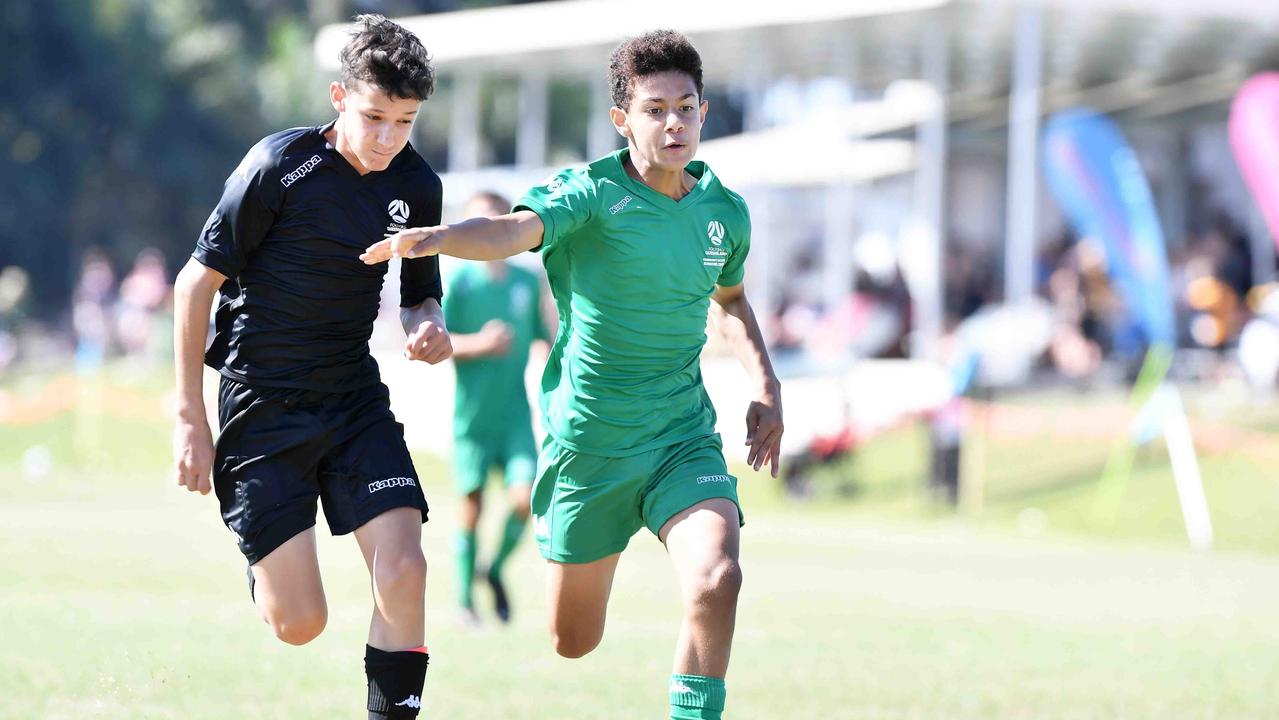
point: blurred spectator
(1259, 339)
(90, 311)
(143, 292)
(14, 284)
(1217, 276)
(1080, 295)
(948, 423)
(969, 275)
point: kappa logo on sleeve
(301, 171)
(391, 483)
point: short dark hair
(384, 54)
(651, 53)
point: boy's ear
(337, 96)
(618, 116)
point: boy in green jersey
(636, 246)
(494, 311)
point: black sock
(395, 682)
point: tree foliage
(122, 118)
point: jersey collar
(347, 167)
(696, 168)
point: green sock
(464, 552)
(696, 697)
(510, 538)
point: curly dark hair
(384, 54)
(653, 52)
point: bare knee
(521, 509)
(574, 643)
(717, 588)
(401, 576)
(298, 627)
(575, 638)
(469, 510)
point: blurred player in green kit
(494, 313)
(638, 246)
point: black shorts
(281, 449)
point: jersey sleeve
(735, 267)
(251, 200)
(420, 277)
(565, 203)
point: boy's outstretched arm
(736, 323)
(475, 239)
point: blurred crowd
(871, 321)
(1215, 297)
(1227, 320)
(110, 316)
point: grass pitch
(122, 596)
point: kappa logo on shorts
(412, 701)
(703, 479)
(391, 483)
(301, 172)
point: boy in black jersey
(302, 410)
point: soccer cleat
(501, 605)
(468, 619)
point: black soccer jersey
(298, 308)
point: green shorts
(515, 456)
(586, 507)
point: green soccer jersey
(490, 390)
(632, 272)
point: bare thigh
(577, 595)
(288, 590)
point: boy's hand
(410, 243)
(764, 431)
(497, 337)
(193, 451)
(430, 342)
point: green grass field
(121, 596)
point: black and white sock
(395, 682)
